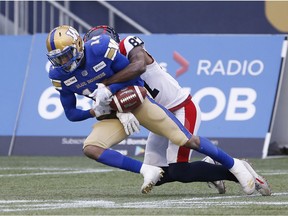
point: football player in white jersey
(166, 91)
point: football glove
(129, 122)
(102, 94)
(101, 110)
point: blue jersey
(101, 60)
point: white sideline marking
(196, 202)
(60, 172)
(39, 168)
(274, 172)
(69, 171)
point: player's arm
(106, 48)
(119, 64)
(136, 67)
(68, 101)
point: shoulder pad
(102, 46)
(129, 43)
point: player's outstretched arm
(136, 67)
(72, 113)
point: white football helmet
(101, 29)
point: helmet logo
(73, 33)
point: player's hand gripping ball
(129, 98)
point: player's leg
(155, 150)
(180, 169)
(190, 116)
(199, 171)
(162, 122)
(155, 154)
(235, 166)
(110, 132)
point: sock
(206, 147)
(115, 159)
(199, 171)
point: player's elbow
(71, 116)
(140, 67)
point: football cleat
(244, 177)
(219, 185)
(151, 176)
(261, 184)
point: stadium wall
(235, 84)
(196, 17)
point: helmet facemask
(68, 59)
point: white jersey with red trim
(161, 85)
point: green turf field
(80, 186)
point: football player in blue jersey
(167, 92)
(80, 68)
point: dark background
(220, 17)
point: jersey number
(153, 92)
(135, 41)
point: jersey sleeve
(128, 43)
(103, 46)
(68, 101)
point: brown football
(129, 98)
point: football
(129, 98)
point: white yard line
(197, 202)
(194, 202)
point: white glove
(102, 94)
(101, 109)
(130, 122)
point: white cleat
(152, 175)
(244, 177)
(219, 185)
(261, 184)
